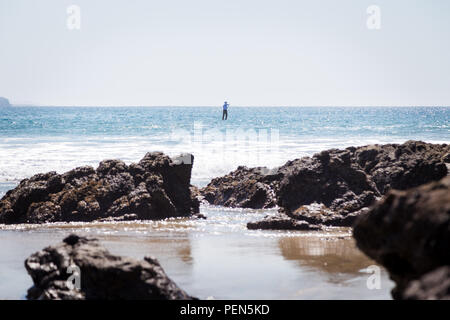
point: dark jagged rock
(409, 233)
(156, 187)
(281, 222)
(434, 285)
(344, 183)
(403, 166)
(243, 188)
(102, 275)
(328, 178)
(348, 181)
(320, 215)
(308, 217)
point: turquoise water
(35, 139)
(424, 123)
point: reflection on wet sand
(179, 248)
(338, 257)
(215, 257)
(167, 240)
(172, 251)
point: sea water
(217, 257)
(39, 139)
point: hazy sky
(201, 52)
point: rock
(408, 232)
(344, 183)
(404, 166)
(4, 102)
(199, 216)
(434, 285)
(281, 222)
(350, 180)
(125, 217)
(243, 188)
(157, 187)
(318, 214)
(308, 217)
(446, 158)
(329, 178)
(102, 275)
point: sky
(248, 52)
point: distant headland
(4, 102)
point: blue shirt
(225, 106)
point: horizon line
(234, 106)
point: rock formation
(434, 285)
(342, 183)
(408, 232)
(156, 187)
(243, 188)
(101, 275)
(281, 222)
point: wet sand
(214, 258)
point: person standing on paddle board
(225, 111)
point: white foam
(23, 157)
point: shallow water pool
(214, 258)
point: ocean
(39, 139)
(217, 257)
